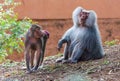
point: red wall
(62, 9)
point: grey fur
(83, 43)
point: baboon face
(83, 16)
(36, 31)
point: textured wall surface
(62, 9)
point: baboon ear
(46, 33)
(31, 28)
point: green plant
(106, 62)
(111, 43)
(9, 63)
(12, 30)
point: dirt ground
(105, 69)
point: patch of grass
(92, 70)
(9, 63)
(53, 57)
(76, 77)
(53, 67)
(106, 62)
(111, 43)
